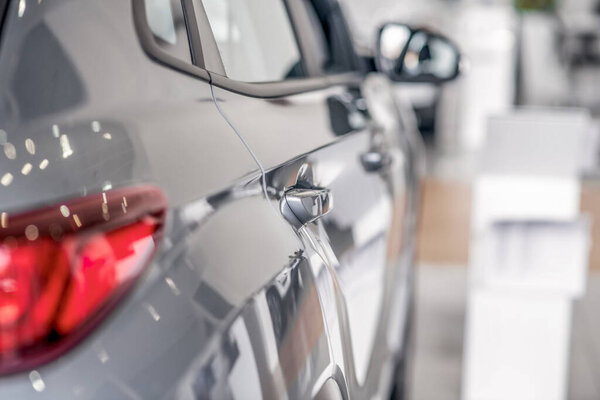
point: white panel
(539, 257)
(524, 197)
(516, 347)
(546, 142)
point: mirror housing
(406, 54)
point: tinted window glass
(255, 39)
(167, 23)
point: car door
(104, 96)
(286, 79)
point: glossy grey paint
(366, 238)
(237, 303)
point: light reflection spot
(32, 232)
(77, 220)
(6, 179)
(103, 356)
(153, 313)
(8, 285)
(30, 146)
(3, 136)
(36, 381)
(44, 164)
(105, 213)
(26, 169)
(96, 126)
(9, 151)
(107, 136)
(55, 131)
(173, 286)
(107, 186)
(64, 210)
(66, 146)
(22, 7)
(4, 220)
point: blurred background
(541, 56)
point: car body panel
(164, 129)
(361, 238)
(236, 303)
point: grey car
(205, 199)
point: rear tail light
(64, 267)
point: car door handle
(373, 161)
(301, 206)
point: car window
(166, 21)
(255, 39)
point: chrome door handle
(373, 161)
(301, 206)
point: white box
(516, 347)
(537, 142)
(523, 197)
(534, 256)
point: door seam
(246, 145)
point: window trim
(158, 54)
(265, 90)
(193, 33)
(211, 56)
(287, 87)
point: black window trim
(3, 12)
(266, 90)
(160, 55)
(193, 33)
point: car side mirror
(405, 54)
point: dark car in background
(205, 199)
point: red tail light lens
(64, 267)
